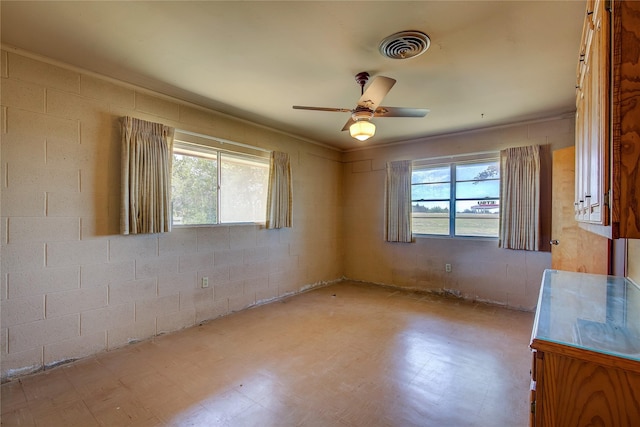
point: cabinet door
(582, 126)
(579, 160)
(574, 392)
(598, 132)
(583, 123)
(592, 118)
(538, 409)
(532, 396)
(585, 144)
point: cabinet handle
(581, 201)
(587, 196)
(554, 242)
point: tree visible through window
(456, 199)
(210, 186)
(194, 187)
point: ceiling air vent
(404, 45)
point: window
(214, 185)
(459, 198)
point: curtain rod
(479, 154)
(222, 140)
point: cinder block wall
(480, 270)
(71, 285)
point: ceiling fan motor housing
(362, 113)
(360, 125)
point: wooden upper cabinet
(626, 120)
(608, 120)
(592, 96)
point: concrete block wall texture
(71, 285)
(480, 270)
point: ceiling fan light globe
(362, 130)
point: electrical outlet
(447, 268)
(205, 282)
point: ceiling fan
(359, 125)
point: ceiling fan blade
(348, 124)
(400, 112)
(377, 90)
(339, 110)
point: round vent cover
(405, 45)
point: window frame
(208, 146)
(451, 162)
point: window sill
(437, 236)
(225, 224)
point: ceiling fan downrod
(362, 79)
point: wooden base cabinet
(573, 391)
(586, 352)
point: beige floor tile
(20, 417)
(125, 410)
(74, 414)
(13, 397)
(349, 354)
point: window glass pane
(430, 191)
(477, 171)
(477, 218)
(477, 189)
(193, 186)
(243, 189)
(476, 192)
(430, 218)
(431, 174)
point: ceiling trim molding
(559, 116)
(141, 89)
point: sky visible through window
(470, 190)
(439, 179)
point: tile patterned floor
(349, 354)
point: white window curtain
(520, 198)
(398, 202)
(146, 177)
(280, 195)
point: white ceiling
(490, 62)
